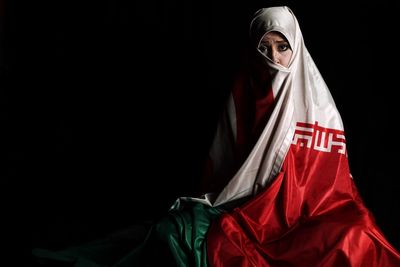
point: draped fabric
(180, 237)
(304, 207)
(296, 94)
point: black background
(109, 106)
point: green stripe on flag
(179, 239)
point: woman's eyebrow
(278, 42)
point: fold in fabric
(178, 239)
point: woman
(303, 208)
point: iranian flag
(278, 188)
(288, 197)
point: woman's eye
(283, 47)
(263, 48)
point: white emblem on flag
(319, 138)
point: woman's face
(275, 46)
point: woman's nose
(275, 56)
